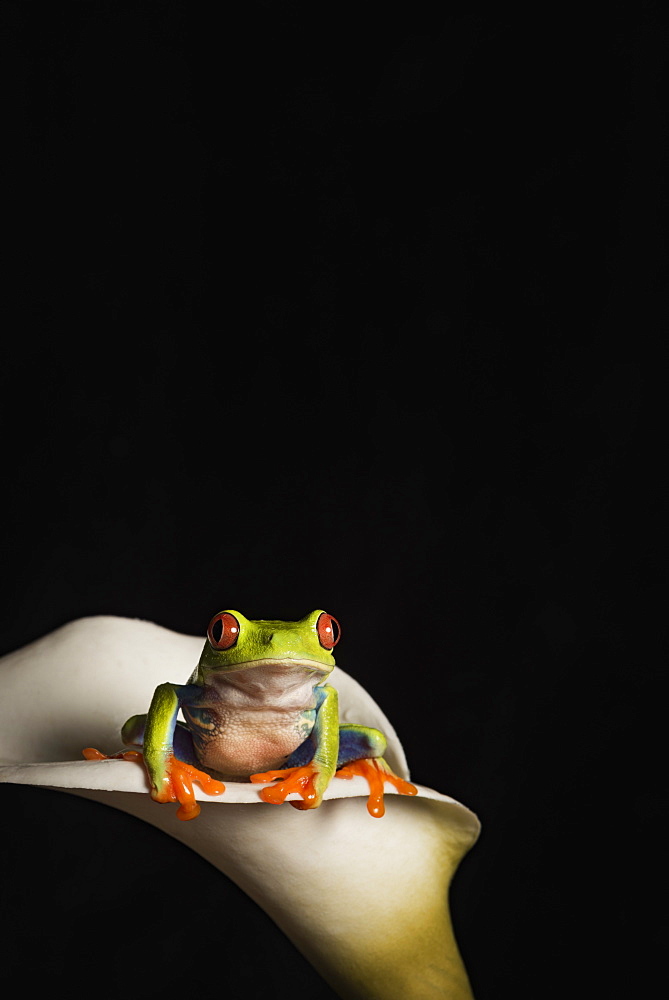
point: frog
(257, 707)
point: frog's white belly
(245, 743)
(252, 720)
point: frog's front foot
(309, 781)
(377, 772)
(175, 783)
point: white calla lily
(364, 899)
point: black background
(351, 308)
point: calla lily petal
(364, 899)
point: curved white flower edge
(364, 899)
(127, 776)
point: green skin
(261, 705)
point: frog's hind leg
(132, 735)
(358, 743)
(361, 752)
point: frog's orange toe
(188, 810)
(293, 779)
(376, 772)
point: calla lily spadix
(364, 899)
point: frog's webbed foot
(377, 772)
(176, 785)
(309, 781)
(176, 782)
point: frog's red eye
(329, 632)
(223, 630)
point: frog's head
(235, 643)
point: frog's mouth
(280, 668)
(281, 664)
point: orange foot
(177, 782)
(304, 780)
(377, 772)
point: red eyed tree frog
(257, 707)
